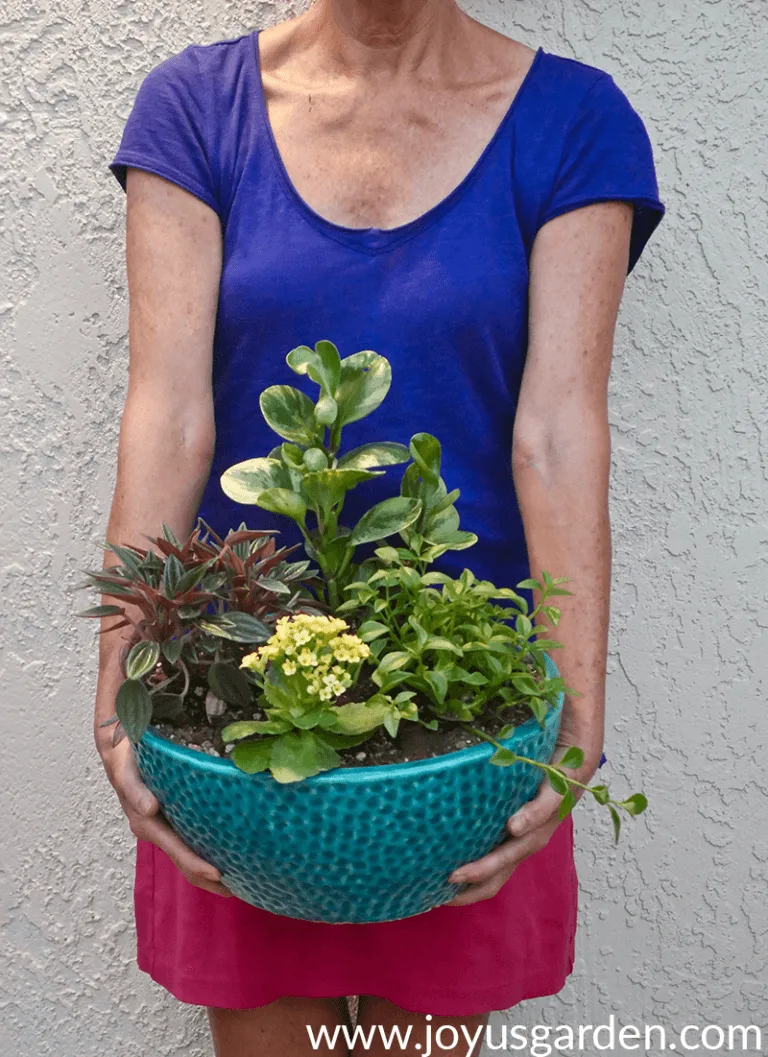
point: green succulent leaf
(330, 362)
(324, 488)
(246, 728)
(166, 707)
(369, 456)
(291, 455)
(170, 536)
(130, 558)
(426, 454)
(172, 574)
(252, 756)
(524, 684)
(341, 741)
(277, 691)
(392, 661)
(290, 413)
(385, 519)
(266, 583)
(447, 501)
(326, 410)
(283, 501)
(245, 481)
(134, 708)
(441, 528)
(315, 459)
(437, 642)
(360, 717)
(191, 577)
(322, 364)
(301, 755)
(364, 381)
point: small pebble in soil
(361, 755)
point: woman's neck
(360, 34)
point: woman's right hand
(142, 809)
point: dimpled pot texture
(356, 844)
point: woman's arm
(166, 437)
(561, 465)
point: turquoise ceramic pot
(354, 844)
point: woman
(388, 174)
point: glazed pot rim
(357, 775)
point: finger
(487, 875)
(502, 858)
(196, 870)
(507, 856)
(477, 893)
(537, 812)
(134, 795)
(143, 810)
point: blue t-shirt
(443, 297)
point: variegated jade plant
(307, 478)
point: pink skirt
(452, 961)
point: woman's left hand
(530, 829)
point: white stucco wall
(674, 924)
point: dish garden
(355, 665)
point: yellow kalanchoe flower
(319, 650)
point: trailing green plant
(307, 479)
(202, 605)
(468, 659)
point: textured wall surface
(674, 924)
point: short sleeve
(167, 131)
(607, 154)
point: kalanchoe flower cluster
(317, 650)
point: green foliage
(449, 650)
(450, 641)
(134, 708)
(202, 604)
(308, 478)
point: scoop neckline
(373, 238)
